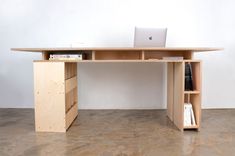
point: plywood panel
(71, 99)
(93, 55)
(49, 93)
(196, 98)
(170, 90)
(173, 49)
(178, 95)
(142, 55)
(196, 103)
(196, 69)
(71, 92)
(71, 115)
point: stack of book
(66, 57)
(189, 119)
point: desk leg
(170, 90)
(175, 93)
(55, 92)
(178, 110)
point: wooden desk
(55, 82)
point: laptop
(150, 37)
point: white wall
(31, 23)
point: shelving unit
(194, 96)
(55, 82)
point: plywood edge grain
(160, 49)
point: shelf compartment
(87, 54)
(160, 54)
(196, 75)
(195, 100)
(118, 55)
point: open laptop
(150, 37)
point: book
(66, 57)
(189, 118)
(188, 77)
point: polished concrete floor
(118, 133)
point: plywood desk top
(172, 49)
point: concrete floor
(118, 133)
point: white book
(187, 114)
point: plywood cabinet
(55, 90)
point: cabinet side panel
(196, 69)
(70, 70)
(49, 93)
(71, 93)
(170, 90)
(179, 95)
(196, 99)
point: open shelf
(117, 55)
(87, 54)
(160, 55)
(195, 100)
(114, 55)
(194, 96)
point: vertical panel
(196, 99)
(49, 93)
(45, 55)
(179, 94)
(71, 93)
(93, 55)
(196, 103)
(170, 90)
(70, 70)
(196, 69)
(142, 55)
